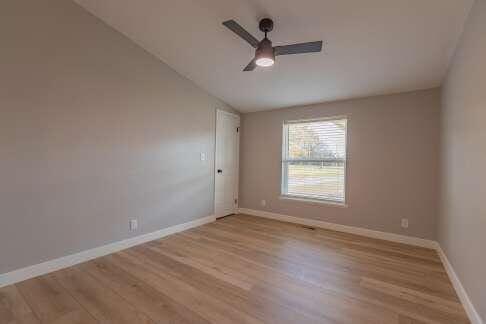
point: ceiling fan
(264, 51)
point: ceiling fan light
(264, 61)
(264, 55)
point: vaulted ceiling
(370, 47)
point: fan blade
(251, 66)
(240, 31)
(300, 48)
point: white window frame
(284, 178)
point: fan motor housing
(265, 49)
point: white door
(226, 163)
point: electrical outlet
(263, 202)
(133, 224)
(405, 222)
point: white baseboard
(461, 292)
(83, 256)
(343, 228)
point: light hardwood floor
(243, 269)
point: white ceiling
(370, 47)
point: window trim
(313, 201)
(285, 146)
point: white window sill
(314, 201)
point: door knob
(220, 171)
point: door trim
(218, 113)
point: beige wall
(462, 221)
(93, 131)
(392, 162)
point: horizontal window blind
(314, 159)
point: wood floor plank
(245, 269)
(333, 308)
(52, 303)
(407, 320)
(100, 301)
(256, 305)
(200, 302)
(413, 295)
(318, 246)
(292, 230)
(207, 266)
(346, 287)
(326, 258)
(158, 306)
(14, 309)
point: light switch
(405, 222)
(203, 156)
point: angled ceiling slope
(370, 47)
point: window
(314, 159)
